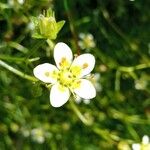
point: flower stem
(117, 80)
(17, 72)
(133, 68)
(50, 43)
(79, 114)
(22, 59)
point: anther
(85, 65)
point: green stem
(105, 134)
(117, 80)
(18, 46)
(17, 72)
(79, 114)
(133, 68)
(132, 131)
(6, 57)
(50, 43)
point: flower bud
(46, 25)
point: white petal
(136, 146)
(86, 101)
(145, 139)
(59, 97)
(62, 51)
(86, 62)
(86, 89)
(43, 71)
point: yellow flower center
(65, 77)
(69, 77)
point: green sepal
(34, 20)
(37, 36)
(60, 24)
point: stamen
(64, 63)
(47, 74)
(85, 65)
(75, 55)
(76, 84)
(75, 70)
(63, 59)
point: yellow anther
(85, 65)
(75, 55)
(64, 63)
(76, 84)
(47, 74)
(65, 77)
(75, 70)
(54, 74)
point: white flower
(145, 145)
(145, 140)
(79, 100)
(21, 2)
(136, 146)
(87, 41)
(140, 84)
(68, 76)
(38, 135)
(94, 78)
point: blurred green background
(120, 113)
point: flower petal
(136, 146)
(45, 72)
(86, 89)
(59, 95)
(62, 55)
(86, 63)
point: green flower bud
(46, 25)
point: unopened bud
(46, 25)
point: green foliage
(120, 113)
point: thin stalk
(17, 72)
(117, 80)
(50, 43)
(10, 58)
(133, 68)
(79, 114)
(105, 134)
(18, 46)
